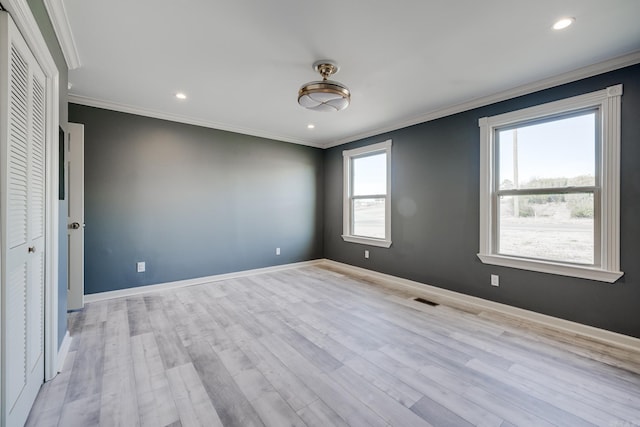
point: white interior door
(22, 213)
(75, 168)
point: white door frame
(26, 23)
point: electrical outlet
(141, 266)
(495, 280)
(277, 251)
(366, 254)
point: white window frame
(607, 267)
(347, 229)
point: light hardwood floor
(311, 346)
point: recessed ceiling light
(311, 126)
(563, 23)
(181, 95)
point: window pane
(558, 153)
(556, 227)
(370, 175)
(368, 218)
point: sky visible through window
(370, 175)
(563, 148)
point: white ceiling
(242, 62)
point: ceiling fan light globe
(326, 95)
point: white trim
(51, 277)
(347, 156)
(456, 299)
(64, 350)
(26, 23)
(124, 108)
(607, 268)
(582, 272)
(591, 99)
(60, 22)
(571, 76)
(610, 229)
(380, 146)
(101, 296)
(381, 243)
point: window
(367, 205)
(549, 187)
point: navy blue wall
(191, 201)
(435, 215)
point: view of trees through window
(546, 181)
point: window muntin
(595, 251)
(366, 195)
(545, 187)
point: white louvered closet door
(23, 217)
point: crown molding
(24, 19)
(124, 108)
(571, 76)
(60, 21)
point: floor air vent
(426, 301)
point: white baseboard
(447, 297)
(190, 282)
(63, 351)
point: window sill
(367, 241)
(571, 270)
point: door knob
(74, 225)
(31, 249)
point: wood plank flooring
(313, 347)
